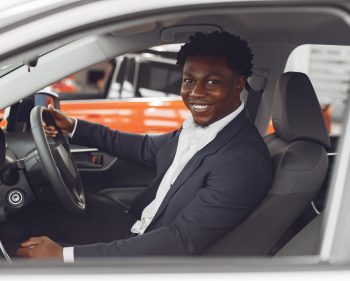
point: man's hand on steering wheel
(62, 120)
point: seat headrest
(296, 112)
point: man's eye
(213, 82)
(187, 81)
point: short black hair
(236, 50)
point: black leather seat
(300, 163)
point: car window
(145, 76)
(138, 92)
(123, 79)
(148, 73)
(88, 82)
(159, 79)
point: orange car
(138, 115)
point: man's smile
(199, 107)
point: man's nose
(197, 91)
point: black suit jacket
(215, 191)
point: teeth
(199, 107)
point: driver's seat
(300, 166)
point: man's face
(210, 89)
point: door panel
(100, 171)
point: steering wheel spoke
(57, 161)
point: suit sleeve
(139, 148)
(229, 195)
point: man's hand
(62, 120)
(40, 248)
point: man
(210, 174)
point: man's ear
(240, 84)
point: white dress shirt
(192, 139)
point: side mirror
(45, 98)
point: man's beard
(200, 125)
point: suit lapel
(225, 135)
(169, 150)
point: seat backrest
(300, 165)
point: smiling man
(211, 173)
(210, 89)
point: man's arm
(140, 148)
(134, 147)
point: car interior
(303, 151)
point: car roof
(257, 17)
(14, 12)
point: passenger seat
(298, 149)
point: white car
(300, 230)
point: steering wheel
(57, 162)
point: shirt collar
(217, 125)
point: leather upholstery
(300, 166)
(296, 111)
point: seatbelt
(253, 101)
(254, 89)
